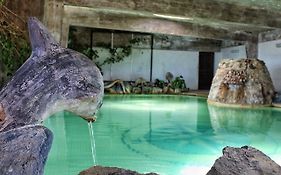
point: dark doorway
(206, 70)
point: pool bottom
(162, 134)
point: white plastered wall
(270, 53)
(236, 52)
(183, 63)
(137, 65)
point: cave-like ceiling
(225, 20)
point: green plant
(14, 47)
(13, 54)
(159, 83)
(178, 83)
(118, 54)
(93, 55)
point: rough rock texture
(244, 161)
(242, 82)
(24, 150)
(99, 170)
(51, 80)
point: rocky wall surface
(242, 82)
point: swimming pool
(170, 135)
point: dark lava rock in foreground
(24, 150)
(99, 170)
(244, 161)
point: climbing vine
(116, 54)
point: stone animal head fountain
(53, 79)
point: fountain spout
(89, 118)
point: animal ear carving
(41, 40)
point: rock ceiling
(236, 20)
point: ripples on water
(165, 134)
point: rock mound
(242, 82)
(99, 170)
(244, 161)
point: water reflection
(186, 131)
(259, 128)
(237, 120)
(215, 128)
(71, 148)
(203, 119)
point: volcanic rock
(244, 161)
(242, 82)
(99, 170)
(24, 150)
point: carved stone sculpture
(53, 79)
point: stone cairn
(243, 82)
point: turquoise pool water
(170, 135)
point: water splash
(93, 143)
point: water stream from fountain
(93, 143)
